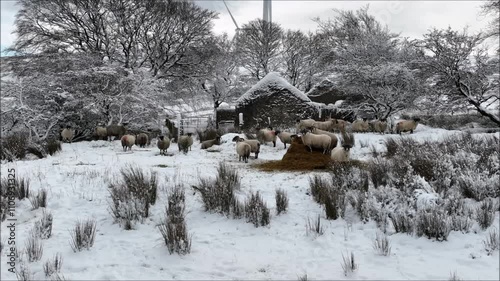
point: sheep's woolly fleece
(223, 248)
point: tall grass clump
(53, 146)
(40, 200)
(433, 223)
(382, 245)
(281, 201)
(173, 228)
(33, 247)
(43, 227)
(53, 266)
(348, 264)
(256, 210)
(132, 196)
(485, 213)
(314, 226)
(492, 241)
(14, 146)
(218, 195)
(83, 235)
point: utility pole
(268, 11)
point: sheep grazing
(328, 125)
(360, 126)
(285, 137)
(341, 153)
(163, 144)
(101, 132)
(243, 149)
(316, 141)
(266, 135)
(209, 143)
(67, 134)
(304, 124)
(254, 145)
(379, 126)
(407, 125)
(127, 142)
(141, 140)
(116, 130)
(185, 142)
(331, 135)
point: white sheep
(340, 125)
(407, 125)
(316, 141)
(327, 125)
(285, 137)
(67, 134)
(127, 142)
(254, 145)
(266, 135)
(185, 142)
(341, 153)
(360, 126)
(101, 132)
(331, 135)
(243, 149)
(379, 126)
(304, 124)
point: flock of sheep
(314, 134)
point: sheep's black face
(236, 138)
(364, 119)
(297, 121)
(277, 132)
(189, 134)
(161, 137)
(383, 120)
(416, 119)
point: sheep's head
(297, 121)
(125, 123)
(189, 134)
(270, 128)
(277, 132)
(236, 138)
(383, 120)
(347, 146)
(364, 119)
(161, 137)
(416, 119)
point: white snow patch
(272, 79)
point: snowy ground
(224, 248)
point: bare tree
(492, 7)
(463, 72)
(259, 46)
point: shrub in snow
(40, 200)
(14, 146)
(83, 235)
(402, 221)
(256, 210)
(53, 146)
(132, 197)
(379, 170)
(53, 266)
(454, 277)
(303, 278)
(23, 272)
(21, 187)
(479, 185)
(318, 186)
(348, 264)
(174, 229)
(219, 195)
(281, 201)
(492, 242)
(33, 247)
(334, 203)
(485, 213)
(314, 227)
(381, 245)
(43, 227)
(433, 223)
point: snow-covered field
(224, 248)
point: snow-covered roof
(271, 80)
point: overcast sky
(409, 18)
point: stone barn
(274, 102)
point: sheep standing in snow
(127, 142)
(254, 145)
(100, 132)
(341, 153)
(209, 143)
(266, 135)
(331, 135)
(379, 126)
(304, 124)
(243, 149)
(316, 141)
(185, 142)
(328, 125)
(67, 134)
(407, 125)
(285, 137)
(163, 144)
(116, 130)
(360, 126)
(141, 140)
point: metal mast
(268, 11)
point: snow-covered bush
(314, 227)
(33, 247)
(433, 222)
(83, 235)
(281, 201)
(14, 146)
(132, 197)
(256, 210)
(174, 229)
(218, 195)
(485, 213)
(40, 200)
(43, 227)
(53, 265)
(492, 241)
(382, 245)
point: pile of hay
(298, 158)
